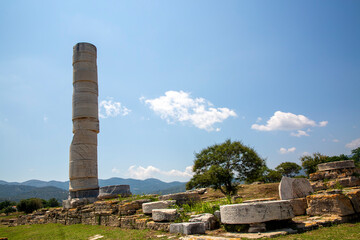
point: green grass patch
(349, 231)
(73, 232)
(137, 197)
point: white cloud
(115, 170)
(259, 119)
(306, 154)
(299, 133)
(285, 151)
(353, 144)
(288, 122)
(108, 108)
(178, 106)
(323, 123)
(336, 140)
(139, 172)
(45, 118)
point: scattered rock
(164, 215)
(291, 188)
(182, 198)
(256, 183)
(114, 191)
(299, 206)
(148, 207)
(208, 219)
(97, 236)
(158, 226)
(337, 204)
(188, 228)
(354, 196)
(217, 215)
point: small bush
(6, 204)
(52, 202)
(29, 205)
(8, 209)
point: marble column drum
(83, 170)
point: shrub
(8, 209)
(29, 205)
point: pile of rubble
(335, 175)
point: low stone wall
(334, 175)
(107, 213)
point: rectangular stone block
(164, 215)
(182, 198)
(257, 212)
(336, 204)
(148, 207)
(354, 196)
(188, 228)
(336, 165)
(299, 206)
(84, 138)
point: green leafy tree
(356, 156)
(223, 166)
(8, 209)
(6, 204)
(272, 176)
(29, 205)
(52, 202)
(309, 163)
(341, 157)
(288, 169)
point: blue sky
(175, 77)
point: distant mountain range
(16, 191)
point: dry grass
(248, 192)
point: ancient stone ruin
(335, 175)
(83, 172)
(83, 167)
(331, 196)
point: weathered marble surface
(83, 171)
(208, 219)
(164, 215)
(291, 188)
(257, 212)
(188, 228)
(182, 198)
(114, 191)
(148, 207)
(335, 204)
(336, 165)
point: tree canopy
(288, 169)
(223, 166)
(309, 163)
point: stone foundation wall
(334, 175)
(107, 213)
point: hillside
(18, 192)
(47, 189)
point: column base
(91, 193)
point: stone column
(83, 171)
